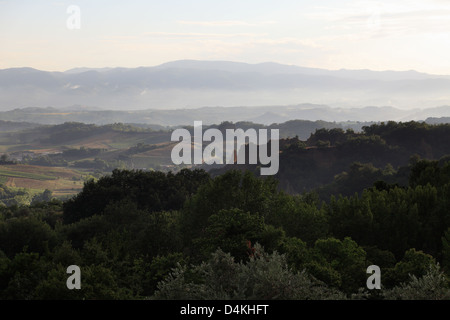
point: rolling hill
(189, 84)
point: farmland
(61, 181)
(60, 158)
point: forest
(383, 199)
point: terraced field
(62, 181)
(43, 148)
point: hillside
(74, 142)
(342, 201)
(333, 161)
(130, 146)
(314, 156)
(60, 181)
(265, 114)
(191, 236)
(187, 84)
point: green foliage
(382, 258)
(296, 251)
(263, 277)
(233, 189)
(234, 231)
(22, 275)
(346, 258)
(70, 131)
(359, 177)
(425, 172)
(294, 144)
(192, 235)
(156, 234)
(64, 254)
(414, 263)
(393, 219)
(333, 135)
(433, 285)
(299, 216)
(82, 152)
(446, 250)
(303, 170)
(18, 196)
(153, 191)
(159, 269)
(25, 233)
(46, 196)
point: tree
(296, 251)
(414, 263)
(153, 191)
(300, 217)
(346, 258)
(29, 233)
(23, 274)
(233, 189)
(46, 196)
(234, 231)
(264, 277)
(4, 158)
(433, 285)
(446, 250)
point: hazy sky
(377, 35)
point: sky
(339, 34)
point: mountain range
(188, 84)
(266, 115)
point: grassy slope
(62, 181)
(67, 181)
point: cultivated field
(61, 181)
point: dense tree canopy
(193, 235)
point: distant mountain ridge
(265, 115)
(277, 68)
(195, 84)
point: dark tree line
(371, 198)
(138, 235)
(315, 162)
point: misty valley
(209, 180)
(210, 159)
